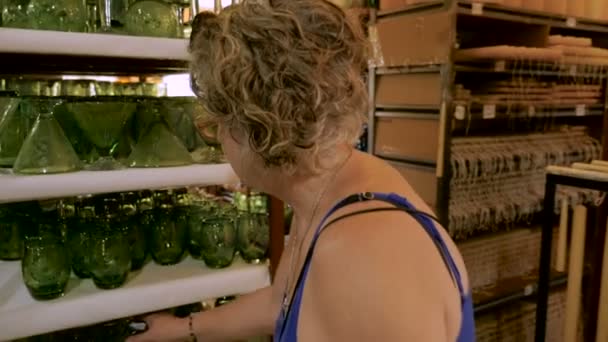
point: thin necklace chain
(317, 203)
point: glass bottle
(110, 247)
(137, 237)
(45, 266)
(218, 241)
(168, 239)
(253, 237)
(46, 149)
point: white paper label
(531, 111)
(581, 110)
(500, 66)
(528, 290)
(477, 8)
(571, 22)
(459, 112)
(489, 111)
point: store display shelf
(497, 11)
(505, 111)
(66, 52)
(152, 289)
(409, 69)
(530, 68)
(409, 108)
(412, 8)
(91, 44)
(511, 290)
(16, 188)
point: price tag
(531, 111)
(500, 66)
(459, 112)
(581, 110)
(528, 290)
(477, 8)
(489, 111)
(571, 22)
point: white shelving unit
(16, 188)
(93, 45)
(151, 289)
(154, 287)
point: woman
(282, 81)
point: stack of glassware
(107, 237)
(41, 135)
(156, 18)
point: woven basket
(497, 257)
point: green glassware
(11, 234)
(103, 123)
(46, 149)
(152, 18)
(218, 241)
(58, 15)
(25, 86)
(79, 237)
(14, 13)
(137, 236)
(253, 237)
(112, 14)
(199, 212)
(77, 88)
(179, 115)
(168, 239)
(110, 248)
(13, 130)
(78, 139)
(46, 265)
(158, 147)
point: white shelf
(16, 188)
(152, 289)
(91, 44)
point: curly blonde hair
(287, 73)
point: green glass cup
(199, 211)
(152, 18)
(45, 266)
(111, 257)
(218, 241)
(167, 238)
(11, 234)
(58, 15)
(14, 13)
(253, 237)
(110, 247)
(79, 237)
(137, 236)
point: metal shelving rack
(445, 67)
(154, 288)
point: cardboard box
(408, 139)
(422, 179)
(409, 89)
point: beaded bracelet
(191, 329)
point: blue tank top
(287, 324)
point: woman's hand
(163, 327)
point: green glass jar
(218, 241)
(46, 265)
(11, 234)
(168, 239)
(253, 237)
(79, 237)
(110, 247)
(129, 219)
